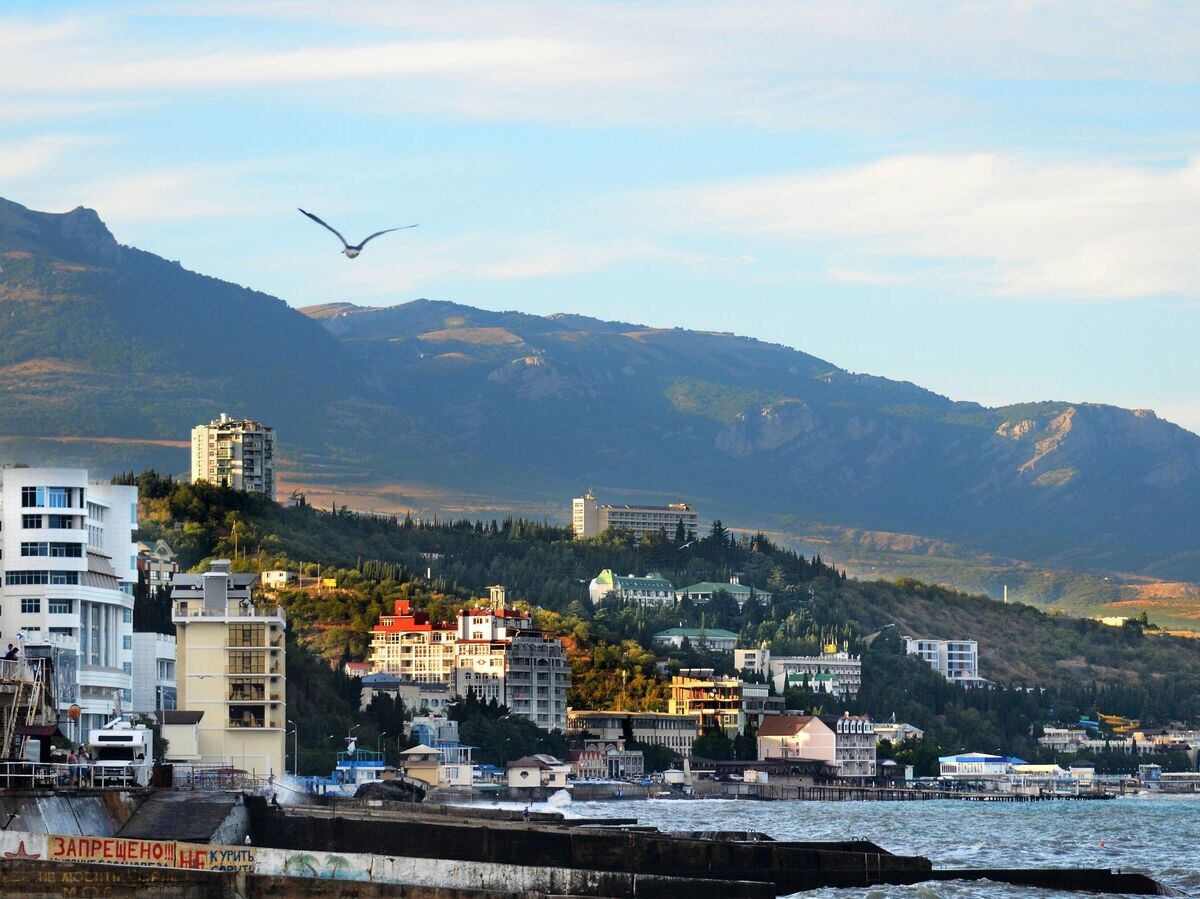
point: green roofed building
(703, 592)
(651, 590)
(711, 638)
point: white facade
(835, 672)
(955, 660)
(70, 565)
(153, 672)
(496, 653)
(590, 518)
(854, 741)
(236, 453)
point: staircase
(24, 699)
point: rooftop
(697, 633)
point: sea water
(1158, 836)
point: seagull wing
(388, 231)
(330, 227)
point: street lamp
(379, 741)
(295, 747)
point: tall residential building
(153, 672)
(230, 665)
(494, 652)
(235, 453)
(70, 564)
(955, 660)
(590, 518)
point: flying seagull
(352, 250)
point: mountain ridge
(109, 341)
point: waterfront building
(1063, 739)
(651, 590)
(797, 737)
(433, 730)
(156, 564)
(854, 745)
(977, 766)
(590, 518)
(955, 660)
(674, 732)
(237, 453)
(153, 672)
(716, 700)
(538, 771)
(494, 652)
(70, 566)
(704, 591)
(713, 639)
(230, 665)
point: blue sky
(998, 201)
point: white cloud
(773, 65)
(30, 156)
(1006, 224)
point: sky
(997, 201)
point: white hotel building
(955, 660)
(70, 563)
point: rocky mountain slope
(112, 344)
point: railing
(60, 775)
(15, 669)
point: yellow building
(716, 701)
(230, 665)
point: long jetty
(622, 860)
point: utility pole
(295, 749)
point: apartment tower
(235, 453)
(229, 665)
(70, 564)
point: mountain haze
(99, 340)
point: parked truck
(123, 753)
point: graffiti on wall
(153, 853)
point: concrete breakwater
(448, 852)
(720, 861)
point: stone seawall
(65, 880)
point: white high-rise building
(70, 564)
(235, 453)
(153, 672)
(955, 660)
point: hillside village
(636, 641)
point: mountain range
(109, 355)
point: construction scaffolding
(26, 700)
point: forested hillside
(108, 352)
(1045, 668)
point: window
(133, 513)
(59, 497)
(127, 616)
(31, 521)
(127, 642)
(54, 549)
(127, 667)
(60, 607)
(31, 604)
(16, 578)
(33, 497)
(59, 521)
